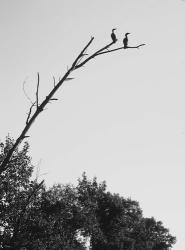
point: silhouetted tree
(116, 223)
(33, 217)
(38, 106)
(17, 193)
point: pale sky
(122, 118)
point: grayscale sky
(122, 118)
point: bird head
(113, 29)
(127, 34)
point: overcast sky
(122, 118)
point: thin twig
(81, 54)
(37, 92)
(69, 78)
(24, 90)
(53, 99)
(54, 81)
(84, 54)
(29, 114)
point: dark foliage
(64, 217)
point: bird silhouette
(125, 40)
(113, 36)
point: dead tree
(79, 62)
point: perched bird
(113, 36)
(125, 40)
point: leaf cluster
(66, 217)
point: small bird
(113, 36)
(125, 40)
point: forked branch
(78, 63)
(94, 55)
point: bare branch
(29, 114)
(26, 136)
(40, 108)
(81, 58)
(81, 54)
(135, 47)
(69, 78)
(53, 99)
(75, 65)
(94, 55)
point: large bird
(125, 40)
(113, 36)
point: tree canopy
(65, 216)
